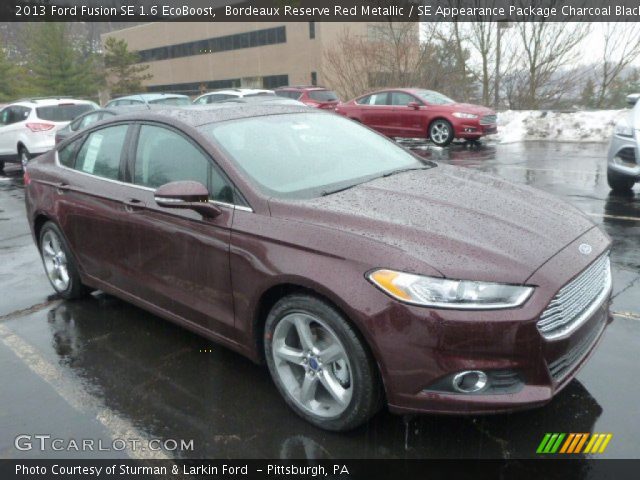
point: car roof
(47, 102)
(198, 115)
(149, 97)
(237, 90)
(303, 87)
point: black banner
(557, 468)
(319, 10)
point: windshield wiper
(324, 193)
(402, 170)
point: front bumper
(474, 130)
(425, 347)
(624, 156)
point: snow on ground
(581, 126)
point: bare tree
(389, 55)
(621, 46)
(547, 49)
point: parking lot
(102, 369)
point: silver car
(623, 168)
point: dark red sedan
(361, 274)
(313, 96)
(418, 113)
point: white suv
(28, 127)
(231, 94)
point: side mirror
(186, 194)
(633, 99)
(413, 105)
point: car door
(91, 203)
(406, 121)
(178, 259)
(377, 113)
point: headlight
(624, 130)
(444, 293)
(464, 115)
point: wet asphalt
(102, 369)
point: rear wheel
(24, 156)
(319, 364)
(59, 263)
(441, 132)
(619, 183)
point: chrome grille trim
(577, 300)
(488, 120)
(562, 366)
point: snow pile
(581, 126)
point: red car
(418, 113)
(360, 273)
(312, 96)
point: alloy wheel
(439, 132)
(55, 261)
(312, 365)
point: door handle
(133, 204)
(62, 188)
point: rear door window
(379, 99)
(101, 152)
(62, 112)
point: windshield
(434, 98)
(172, 101)
(306, 155)
(63, 112)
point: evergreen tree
(588, 95)
(8, 78)
(125, 74)
(58, 64)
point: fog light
(470, 381)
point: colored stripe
(567, 443)
(594, 449)
(575, 442)
(547, 448)
(594, 437)
(584, 439)
(605, 443)
(557, 445)
(543, 443)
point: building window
(314, 78)
(312, 30)
(275, 81)
(257, 38)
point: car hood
(467, 108)
(464, 224)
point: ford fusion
(362, 275)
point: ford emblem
(585, 248)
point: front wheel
(441, 132)
(319, 364)
(619, 183)
(59, 263)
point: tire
(619, 183)
(24, 156)
(352, 376)
(56, 257)
(441, 132)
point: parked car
(231, 94)
(149, 99)
(313, 96)
(359, 272)
(623, 168)
(28, 126)
(94, 116)
(418, 113)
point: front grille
(577, 300)
(488, 120)
(563, 365)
